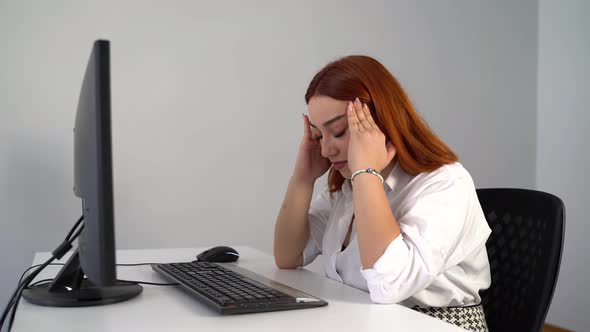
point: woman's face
(329, 127)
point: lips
(339, 164)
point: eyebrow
(329, 122)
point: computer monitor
(93, 183)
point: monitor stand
(70, 289)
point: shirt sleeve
(319, 212)
(431, 225)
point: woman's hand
(367, 147)
(310, 163)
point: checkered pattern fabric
(471, 318)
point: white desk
(168, 308)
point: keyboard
(230, 289)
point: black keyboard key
(224, 286)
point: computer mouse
(219, 254)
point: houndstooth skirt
(471, 318)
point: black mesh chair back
(524, 250)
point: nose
(328, 149)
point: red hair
(418, 148)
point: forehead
(323, 108)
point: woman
(400, 217)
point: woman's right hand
(310, 163)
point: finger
(369, 117)
(306, 127)
(352, 119)
(358, 106)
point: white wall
(563, 146)
(207, 99)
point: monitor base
(86, 295)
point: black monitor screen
(93, 183)
(93, 175)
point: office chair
(524, 250)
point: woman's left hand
(367, 147)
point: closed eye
(341, 134)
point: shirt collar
(395, 179)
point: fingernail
(357, 99)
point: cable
(13, 313)
(13, 302)
(76, 234)
(63, 248)
(144, 282)
(25, 279)
(40, 281)
(74, 228)
(66, 240)
(34, 266)
(147, 282)
(62, 264)
(14, 305)
(137, 264)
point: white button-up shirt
(438, 260)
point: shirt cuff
(392, 261)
